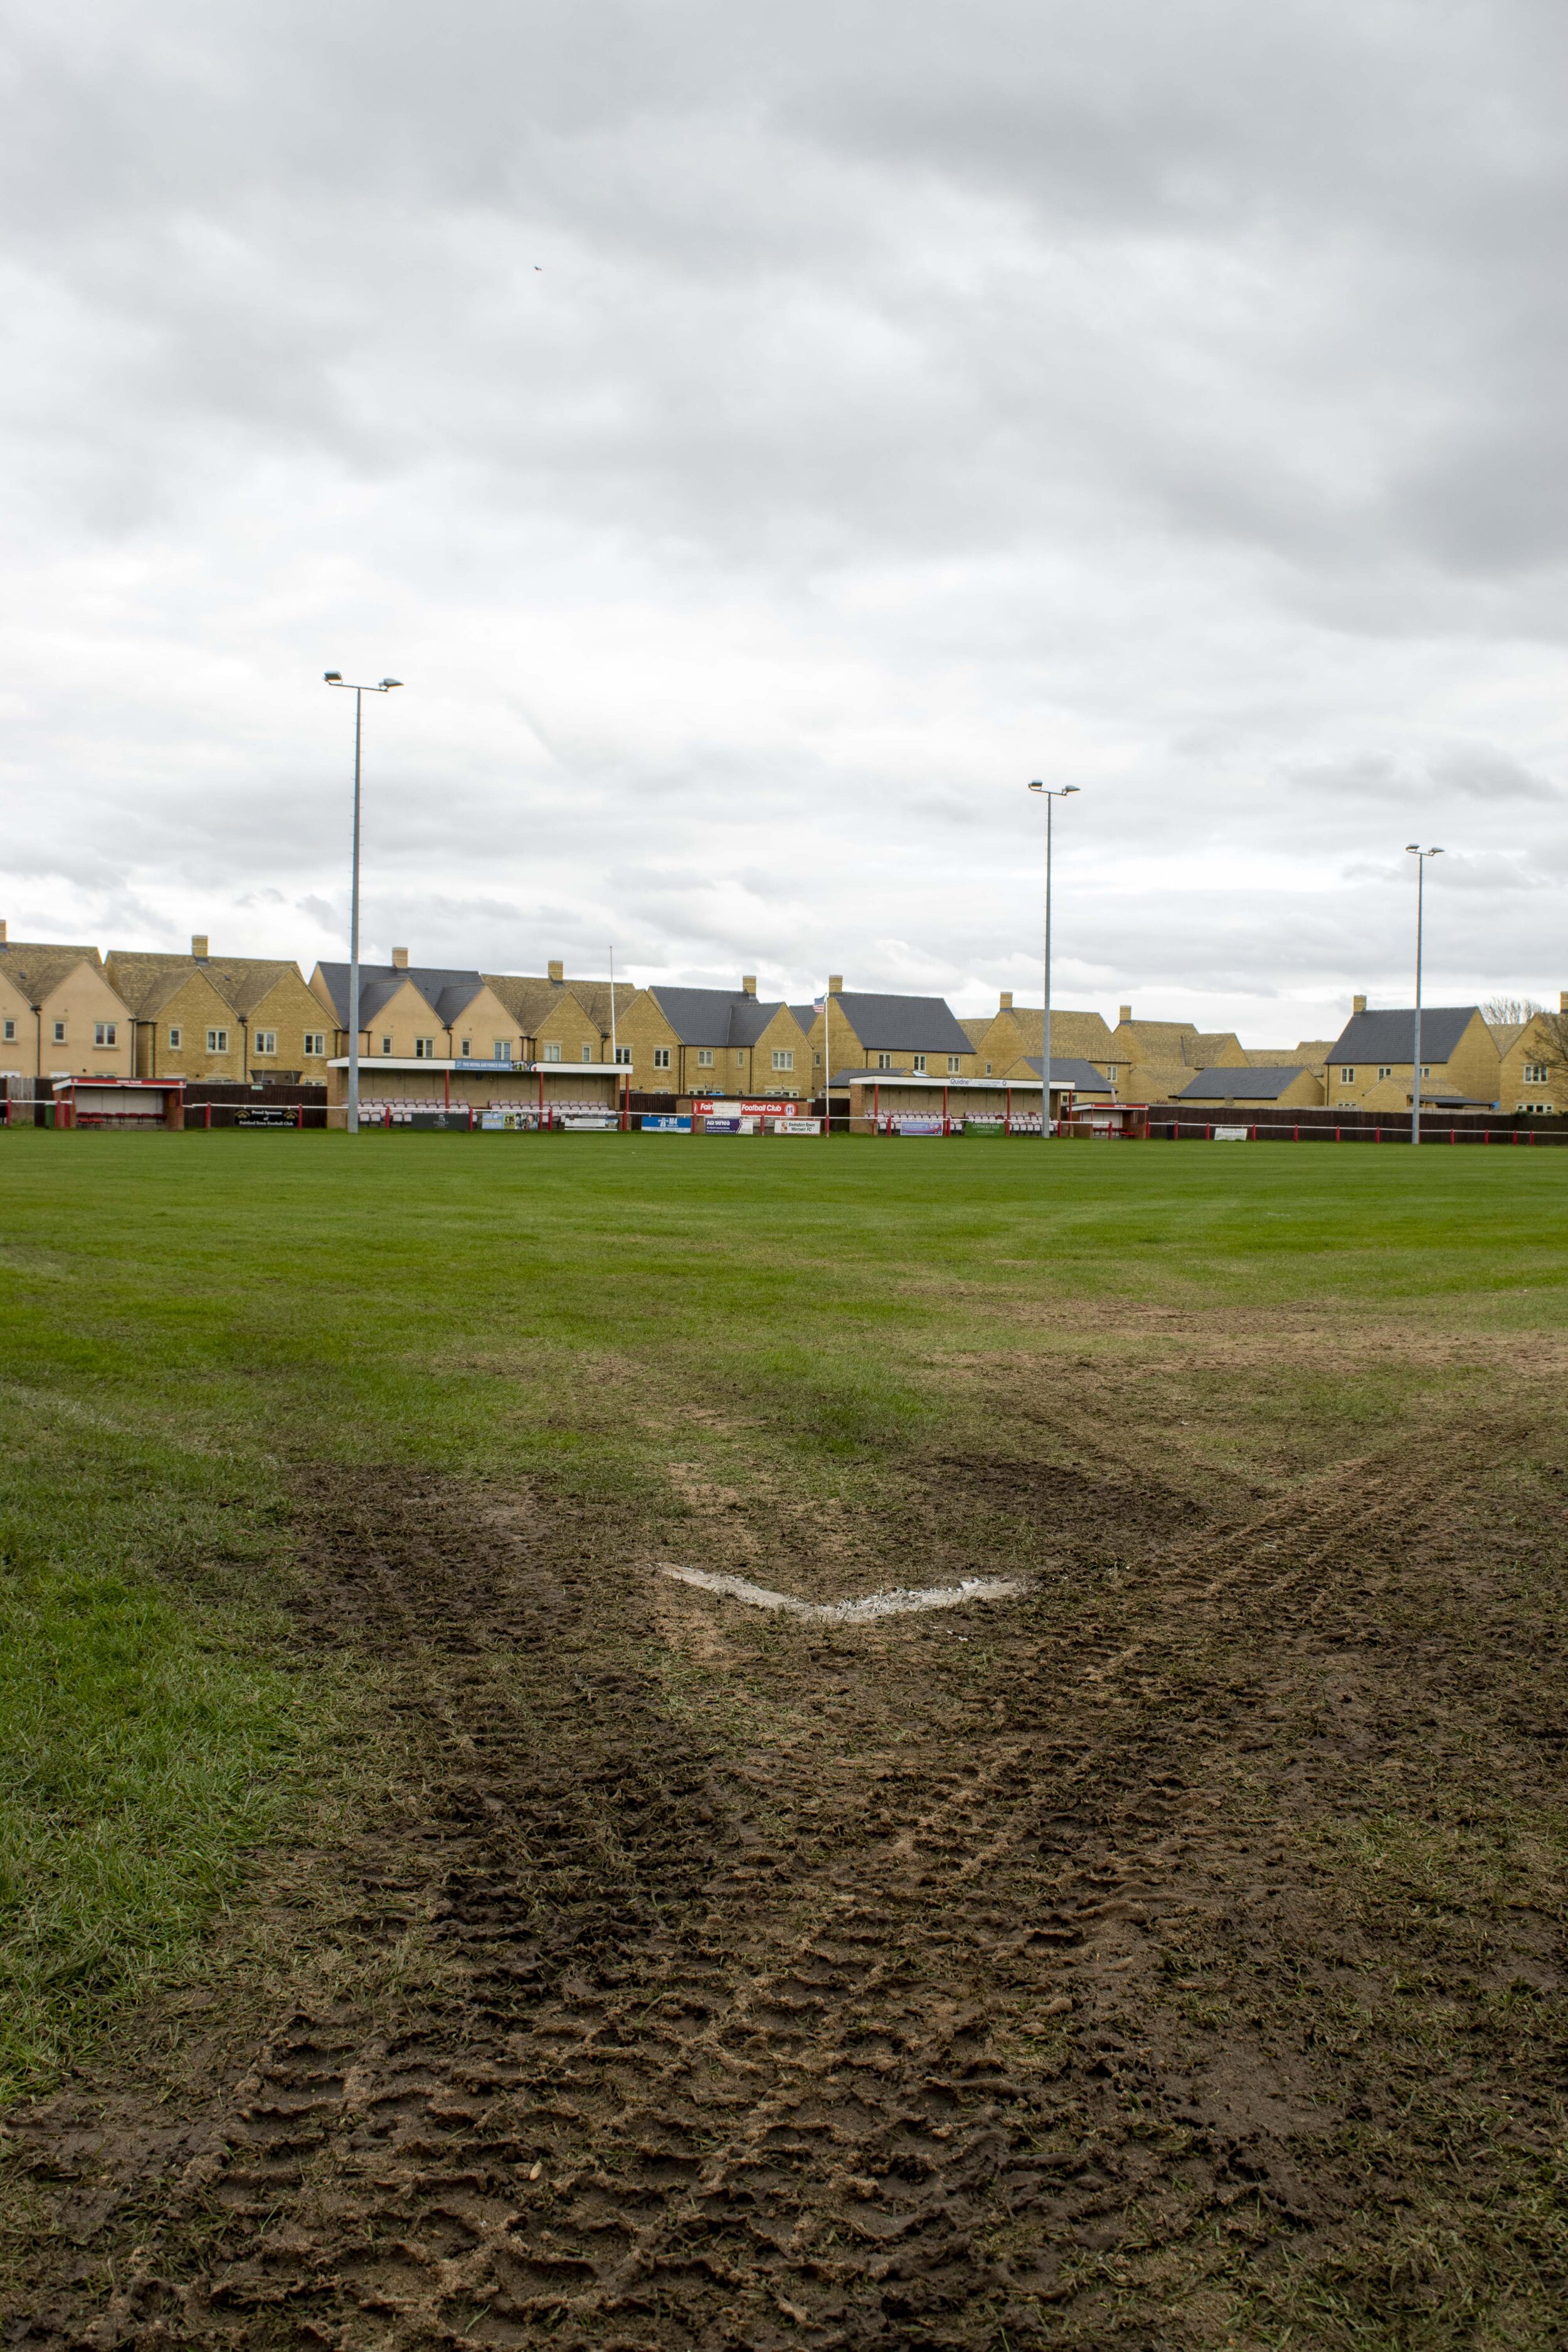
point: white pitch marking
(896, 1604)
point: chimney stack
(2, 930)
(1561, 993)
(199, 946)
(749, 983)
(557, 971)
(400, 958)
(1358, 1004)
(1125, 1011)
(835, 984)
(1006, 1006)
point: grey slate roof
(1256, 1083)
(1390, 1036)
(714, 1016)
(445, 991)
(905, 1024)
(1082, 1077)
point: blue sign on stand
(665, 1122)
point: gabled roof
(716, 1016)
(445, 991)
(147, 978)
(1082, 1077)
(1080, 1032)
(531, 1001)
(35, 967)
(1251, 1081)
(1390, 1036)
(1156, 1041)
(904, 1024)
(1505, 1034)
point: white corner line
(896, 1604)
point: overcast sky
(763, 439)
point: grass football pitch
(425, 1920)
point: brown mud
(1170, 1957)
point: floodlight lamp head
(1037, 788)
(1070, 788)
(387, 683)
(332, 677)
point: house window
(920, 1062)
(624, 1056)
(1386, 1070)
(553, 1053)
(59, 1033)
(884, 1060)
(104, 1032)
(784, 1057)
(1535, 1073)
(266, 1042)
(425, 1049)
(10, 1032)
(587, 1053)
(988, 1069)
(952, 1065)
(1347, 1077)
(387, 1045)
(217, 1041)
(740, 1061)
(466, 1049)
(1426, 1069)
(705, 1057)
(174, 1038)
(315, 1041)
(503, 1049)
(817, 1061)
(661, 1057)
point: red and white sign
(753, 1107)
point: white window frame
(919, 1065)
(953, 1061)
(59, 1033)
(265, 1043)
(587, 1054)
(10, 1032)
(175, 1036)
(502, 1049)
(217, 1041)
(784, 1057)
(387, 1045)
(1347, 1076)
(315, 1041)
(884, 1060)
(705, 1057)
(623, 1057)
(1386, 1070)
(425, 1049)
(661, 1057)
(106, 1032)
(464, 1049)
(553, 1053)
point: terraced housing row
(67, 1010)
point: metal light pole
(1049, 793)
(336, 678)
(1414, 849)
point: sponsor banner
(507, 1121)
(665, 1122)
(727, 1123)
(919, 1126)
(581, 1120)
(797, 1127)
(1230, 1135)
(749, 1107)
(269, 1115)
(486, 1065)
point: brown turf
(991, 1979)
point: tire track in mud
(927, 2020)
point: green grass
(187, 1322)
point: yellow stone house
(1256, 1086)
(1370, 1065)
(61, 1016)
(1015, 1034)
(919, 1037)
(1153, 1061)
(716, 1041)
(224, 1019)
(1534, 1064)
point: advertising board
(665, 1122)
(1230, 1135)
(589, 1119)
(748, 1106)
(919, 1126)
(797, 1127)
(727, 1123)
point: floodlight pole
(1055, 792)
(335, 678)
(1414, 849)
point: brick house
(425, 1013)
(223, 1018)
(917, 1035)
(1285, 1087)
(1005, 1040)
(1534, 1064)
(715, 1041)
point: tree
(1550, 1041)
(1510, 1011)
